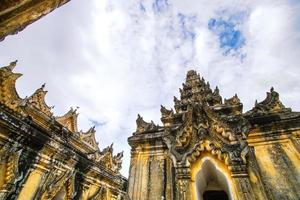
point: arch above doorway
(211, 181)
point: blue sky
(115, 59)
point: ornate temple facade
(209, 149)
(15, 15)
(44, 157)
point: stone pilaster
(183, 179)
(241, 183)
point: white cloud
(115, 59)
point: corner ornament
(143, 126)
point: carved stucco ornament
(106, 158)
(37, 100)
(32, 135)
(9, 155)
(143, 126)
(200, 124)
(203, 131)
(271, 104)
(69, 120)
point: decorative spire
(69, 120)
(12, 65)
(232, 101)
(37, 100)
(271, 104)
(216, 91)
(89, 137)
(196, 90)
(143, 126)
(8, 93)
(117, 162)
(165, 112)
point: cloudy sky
(115, 59)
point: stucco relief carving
(40, 153)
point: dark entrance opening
(215, 195)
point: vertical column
(137, 181)
(131, 177)
(241, 183)
(9, 170)
(183, 179)
(254, 170)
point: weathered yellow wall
(280, 169)
(149, 174)
(31, 185)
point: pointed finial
(77, 107)
(175, 100)
(12, 65)
(43, 86)
(256, 102)
(217, 90)
(272, 89)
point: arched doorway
(215, 195)
(211, 183)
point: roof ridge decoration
(90, 137)
(69, 119)
(37, 99)
(8, 93)
(143, 126)
(106, 158)
(36, 107)
(270, 105)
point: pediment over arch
(205, 131)
(202, 122)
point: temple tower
(209, 149)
